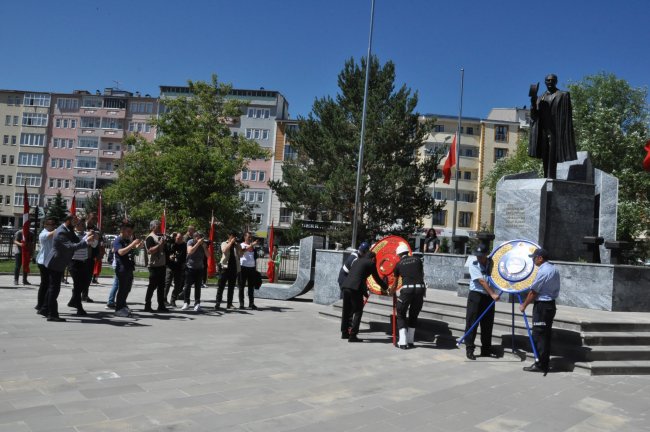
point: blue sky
(299, 46)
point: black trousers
(410, 302)
(80, 281)
(157, 284)
(124, 283)
(53, 293)
(352, 310)
(543, 315)
(476, 304)
(175, 275)
(228, 276)
(41, 299)
(90, 267)
(19, 262)
(193, 277)
(246, 278)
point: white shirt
(248, 257)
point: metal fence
(288, 268)
(6, 243)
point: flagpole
(460, 115)
(363, 131)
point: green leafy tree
(57, 208)
(112, 213)
(190, 168)
(611, 121)
(320, 182)
(518, 162)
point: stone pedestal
(556, 214)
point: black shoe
(56, 319)
(72, 304)
(487, 353)
(38, 307)
(16, 282)
(354, 338)
(534, 368)
(470, 355)
(25, 282)
(147, 308)
(162, 309)
(43, 312)
(252, 307)
(411, 345)
(402, 346)
(217, 307)
(230, 306)
(95, 281)
(81, 312)
(345, 335)
(87, 300)
(241, 306)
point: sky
(298, 47)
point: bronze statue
(551, 128)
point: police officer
(411, 295)
(479, 298)
(543, 292)
(354, 289)
(346, 315)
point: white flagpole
(460, 116)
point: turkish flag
(163, 222)
(270, 270)
(25, 248)
(450, 162)
(646, 161)
(212, 263)
(73, 205)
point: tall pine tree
(57, 208)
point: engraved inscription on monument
(515, 216)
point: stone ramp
(595, 342)
(305, 277)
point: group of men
(361, 264)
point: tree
(518, 162)
(57, 208)
(611, 121)
(320, 182)
(190, 168)
(112, 213)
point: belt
(414, 286)
(545, 301)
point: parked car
(292, 251)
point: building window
(114, 103)
(13, 140)
(84, 183)
(258, 113)
(11, 159)
(10, 180)
(86, 162)
(289, 152)
(464, 219)
(91, 122)
(253, 176)
(68, 163)
(8, 120)
(32, 140)
(440, 217)
(31, 198)
(501, 133)
(91, 102)
(2, 179)
(257, 134)
(31, 180)
(37, 99)
(500, 153)
(244, 175)
(67, 104)
(142, 107)
(7, 200)
(470, 131)
(30, 159)
(467, 175)
(5, 140)
(139, 127)
(89, 142)
(34, 119)
(257, 218)
(110, 123)
(15, 120)
(285, 215)
(4, 159)
(439, 128)
(262, 176)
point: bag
(257, 280)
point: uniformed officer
(346, 315)
(411, 295)
(354, 289)
(543, 292)
(479, 298)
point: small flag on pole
(73, 205)
(270, 271)
(212, 264)
(163, 221)
(25, 247)
(646, 161)
(450, 162)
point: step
(616, 338)
(631, 367)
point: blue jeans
(111, 295)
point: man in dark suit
(354, 289)
(64, 245)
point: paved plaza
(281, 368)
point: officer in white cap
(411, 295)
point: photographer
(124, 250)
(80, 268)
(155, 244)
(231, 254)
(176, 256)
(197, 249)
(247, 276)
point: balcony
(113, 133)
(84, 172)
(85, 151)
(106, 174)
(110, 154)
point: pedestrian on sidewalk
(411, 295)
(347, 311)
(124, 248)
(18, 254)
(45, 239)
(196, 251)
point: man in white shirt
(247, 264)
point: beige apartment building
(482, 143)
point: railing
(288, 268)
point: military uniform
(411, 298)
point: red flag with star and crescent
(25, 247)
(646, 161)
(450, 162)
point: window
(289, 152)
(257, 218)
(30, 159)
(8, 120)
(11, 159)
(114, 103)
(84, 183)
(86, 162)
(31, 180)
(10, 180)
(34, 119)
(65, 123)
(440, 217)
(88, 142)
(68, 163)
(261, 176)
(244, 175)
(4, 159)
(253, 176)
(467, 175)
(90, 122)
(142, 107)
(67, 104)
(7, 200)
(260, 196)
(111, 123)
(439, 128)
(33, 199)
(15, 120)
(32, 140)
(285, 215)
(258, 113)
(0, 199)
(5, 140)
(464, 219)
(13, 140)
(37, 99)
(63, 143)
(139, 127)
(91, 102)
(500, 153)
(470, 131)
(501, 133)
(257, 133)
(2, 179)
(66, 184)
